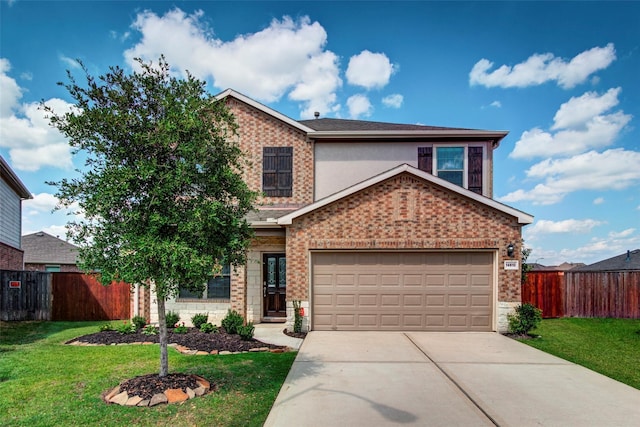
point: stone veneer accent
(403, 212)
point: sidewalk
(272, 333)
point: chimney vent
(628, 255)
(316, 114)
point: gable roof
(523, 218)
(43, 248)
(328, 128)
(13, 181)
(629, 260)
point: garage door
(444, 291)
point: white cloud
(581, 126)
(42, 202)
(369, 70)
(287, 57)
(25, 131)
(496, 104)
(393, 101)
(359, 105)
(579, 111)
(69, 62)
(541, 68)
(611, 170)
(598, 201)
(580, 226)
(622, 234)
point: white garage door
(427, 291)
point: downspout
(136, 300)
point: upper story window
(277, 171)
(218, 287)
(460, 165)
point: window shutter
(277, 171)
(425, 159)
(474, 177)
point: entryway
(274, 289)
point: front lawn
(46, 383)
(608, 346)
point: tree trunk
(164, 338)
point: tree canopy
(162, 195)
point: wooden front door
(274, 285)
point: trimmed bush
(208, 328)
(126, 328)
(246, 331)
(526, 317)
(232, 321)
(172, 318)
(139, 322)
(199, 319)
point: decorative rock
(175, 395)
(112, 393)
(213, 352)
(148, 343)
(158, 399)
(202, 353)
(120, 398)
(202, 382)
(133, 401)
(144, 402)
(190, 393)
(200, 391)
(224, 353)
(277, 350)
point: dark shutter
(277, 171)
(425, 159)
(474, 178)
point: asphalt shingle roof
(42, 248)
(328, 124)
(627, 261)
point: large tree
(161, 192)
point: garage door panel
(402, 291)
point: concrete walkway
(272, 333)
(443, 379)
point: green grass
(46, 383)
(608, 346)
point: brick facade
(64, 268)
(257, 130)
(403, 212)
(10, 258)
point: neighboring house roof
(42, 248)
(359, 129)
(523, 218)
(629, 260)
(565, 266)
(12, 179)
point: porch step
(274, 319)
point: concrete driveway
(443, 379)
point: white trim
(523, 218)
(435, 133)
(264, 109)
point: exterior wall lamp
(510, 250)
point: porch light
(510, 250)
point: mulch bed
(146, 386)
(193, 339)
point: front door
(274, 285)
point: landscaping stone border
(185, 350)
(172, 395)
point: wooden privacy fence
(545, 290)
(78, 296)
(25, 295)
(603, 294)
(37, 295)
(584, 294)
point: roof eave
(497, 136)
(14, 182)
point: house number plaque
(512, 264)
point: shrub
(181, 329)
(232, 321)
(297, 322)
(208, 328)
(106, 327)
(150, 330)
(526, 317)
(126, 328)
(172, 318)
(246, 331)
(199, 319)
(139, 322)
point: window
(218, 287)
(450, 164)
(460, 165)
(52, 268)
(277, 171)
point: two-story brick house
(372, 226)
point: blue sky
(561, 77)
